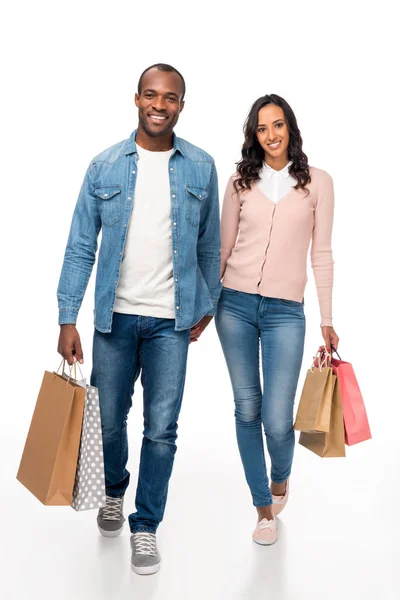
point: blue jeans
(243, 320)
(153, 347)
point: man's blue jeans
(153, 347)
(243, 320)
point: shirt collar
(131, 148)
(269, 171)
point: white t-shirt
(276, 184)
(146, 284)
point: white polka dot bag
(89, 489)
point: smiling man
(155, 197)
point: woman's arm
(229, 223)
(321, 248)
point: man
(155, 197)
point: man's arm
(209, 242)
(78, 263)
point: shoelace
(112, 510)
(144, 543)
(265, 524)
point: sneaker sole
(110, 534)
(264, 543)
(145, 570)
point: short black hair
(162, 67)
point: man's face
(160, 102)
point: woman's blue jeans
(244, 323)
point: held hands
(69, 344)
(330, 338)
(198, 329)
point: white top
(146, 285)
(276, 184)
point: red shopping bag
(356, 424)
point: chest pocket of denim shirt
(194, 199)
(109, 198)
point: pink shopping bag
(356, 424)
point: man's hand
(69, 344)
(198, 329)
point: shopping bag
(314, 410)
(89, 489)
(48, 464)
(329, 444)
(356, 423)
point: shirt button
(173, 195)
(121, 253)
(176, 279)
(174, 251)
(133, 172)
(177, 308)
(115, 282)
(124, 224)
(174, 224)
(129, 198)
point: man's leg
(163, 358)
(115, 369)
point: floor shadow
(267, 577)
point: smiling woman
(271, 132)
(274, 205)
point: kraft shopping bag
(329, 444)
(49, 460)
(314, 410)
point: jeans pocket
(109, 204)
(230, 291)
(291, 303)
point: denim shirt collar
(131, 144)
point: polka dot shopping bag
(89, 489)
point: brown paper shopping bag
(50, 456)
(329, 444)
(314, 411)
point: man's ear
(182, 106)
(137, 99)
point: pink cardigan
(265, 245)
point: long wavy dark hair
(253, 155)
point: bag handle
(335, 351)
(71, 367)
(324, 360)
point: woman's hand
(330, 338)
(198, 329)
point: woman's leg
(237, 329)
(282, 325)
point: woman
(274, 206)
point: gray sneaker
(110, 519)
(145, 557)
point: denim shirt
(105, 202)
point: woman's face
(273, 132)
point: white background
(69, 75)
